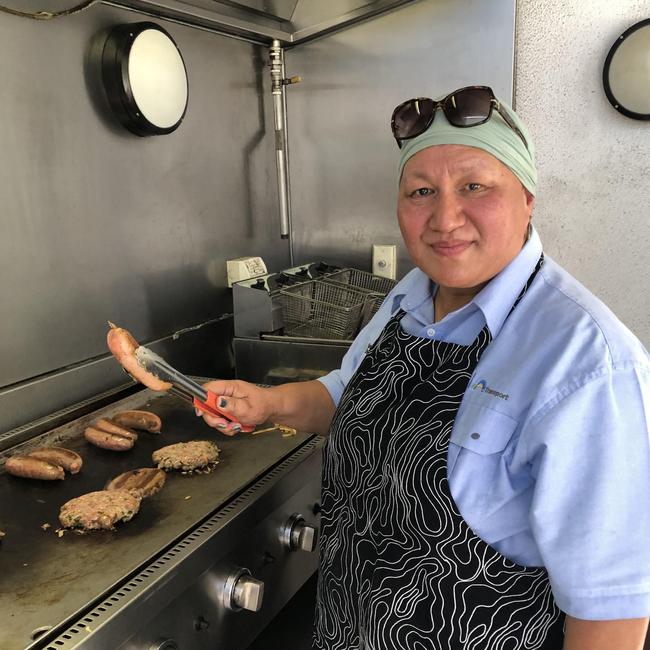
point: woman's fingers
(221, 424)
(218, 386)
(227, 387)
(229, 429)
(239, 400)
(212, 420)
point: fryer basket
(362, 280)
(321, 309)
(375, 286)
(334, 306)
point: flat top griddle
(46, 579)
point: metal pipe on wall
(278, 82)
(287, 176)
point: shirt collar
(495, 300)
(419, 289)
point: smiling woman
(463, 216)
(490, 418)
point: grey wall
(343, 157)
(594, 163)
(100, 224)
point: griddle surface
(46, 579)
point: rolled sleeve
(590, 513)
(335, 385)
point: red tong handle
(210, 406)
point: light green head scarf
(495, 137)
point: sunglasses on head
(469, 106)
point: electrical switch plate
(384, 260)
(244, 268)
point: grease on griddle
(286, 432)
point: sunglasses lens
(411, 118)
(469, 106)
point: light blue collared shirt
(559, 475)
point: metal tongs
(182, 385)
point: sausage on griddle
(144, 420)
(28, 467)
(109, 426)
(143, 482)
(107, 440)
(69, 460)
(123, 346)
(106, 434)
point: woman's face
(462, 213)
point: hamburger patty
(187, 455)
(99, 510)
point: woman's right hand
(244, 402)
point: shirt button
(475, 436)
(431, 331)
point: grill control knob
(164, 644)
(298, 535)
(242, 591)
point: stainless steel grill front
(164, 572)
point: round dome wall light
(145, 78)
(626, 73)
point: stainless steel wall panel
(221, 17)
(100, 224)
(308, 13)
(204, 351)
(290, 21)
(282, 9)
(313, 19)
(343, 157)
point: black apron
(399, 567)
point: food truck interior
(281, 150)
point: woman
(487, 470)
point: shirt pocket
(483, 430)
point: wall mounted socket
(384, 260)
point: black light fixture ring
(606, 69)
(117, 83)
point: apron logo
(483, 387)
